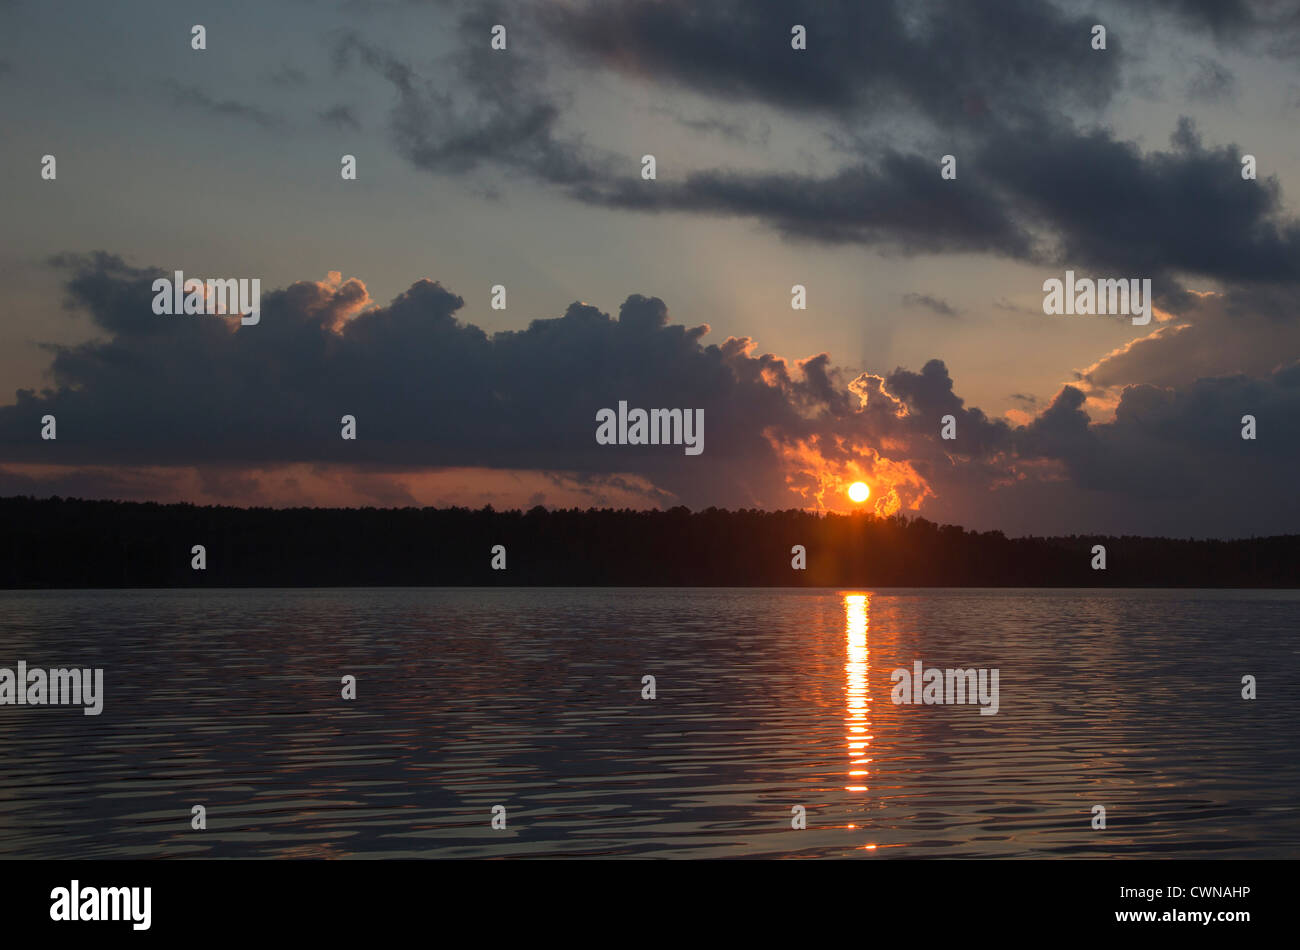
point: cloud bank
(434, 394)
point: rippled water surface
(765, 699)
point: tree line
(63, 542)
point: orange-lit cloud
(822, 482)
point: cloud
(1175, 459)
(194, 98)
(1262, 25)
(1239, 333)
(494, 112)
(1012, 90)
(954, 64)
(288, 76)
(1212, 82)
(1111, 206)
(427, 390)
(341, 117)
(734, 130)
(255, 413)
(899, 203)
(928, 302)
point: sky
(774, 167)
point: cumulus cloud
(426, 388)
(1216, 334)
(248, 409)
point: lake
(768, 704)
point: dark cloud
(900, 203)
(430, 391)
(1175, 459)
(1009, 307)
(1212, 82)
(931, 303)
(494, 112)
(427, 389)
(1264, 25)
(195, 99)
(953, 63)
(733, 130)
(341, 117)
(1215, 335)
(1003, 87)
(1182, 210)
(1224, 18)
(504, 112)
(288, 76)
(1049, 193)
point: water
(766, 699)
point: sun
(859, 491)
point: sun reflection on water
(857, 692)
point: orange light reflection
(857, 693)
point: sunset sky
(775, 167)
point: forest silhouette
(73, 543)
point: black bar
(639, 902)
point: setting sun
(859, 491)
